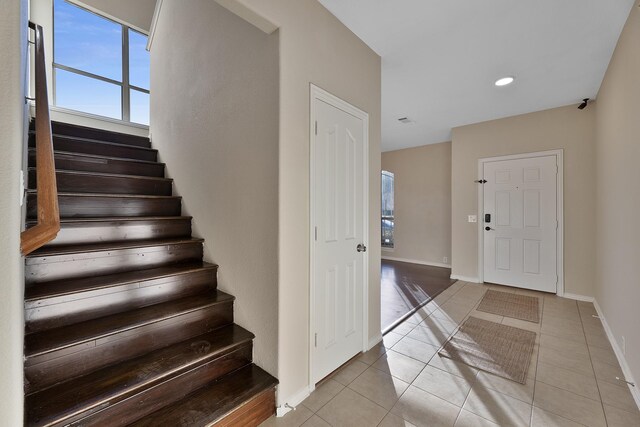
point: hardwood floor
(405, 286)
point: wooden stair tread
(103, 195)
(115, 383)
(70, 221)
(100, 156)
(63, 128)
(100, 141)
(38, 343)
(70, 286)
(110, 175)
(112, 246)
(123, 320)
(213, 402)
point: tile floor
(404, 382)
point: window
(388, 219)
(100, 67)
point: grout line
(592, 368)
(535, 376)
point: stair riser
(68, 309)
(56, 267)
(47, 369)
(97, 164)
(252, 413)
(171, 391)
(117, 231)
(74, 183)
(61, 143)
(99, 134)
(98, 207)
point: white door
(520, 223)
(339, 217)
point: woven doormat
(498, 349)
(517, 306)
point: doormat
(516, 306)
(498, 349)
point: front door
(520, 223)
(338, 265)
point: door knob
(488, 228)
(361, 248)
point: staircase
(124, 322)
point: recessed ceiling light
(504, 81)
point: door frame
(317, 93)
(559, 155)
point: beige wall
(137, 14)
(315, 48)
(422, 179)
(567, 128)
(13, 42)
(214, 117)
(618, 198)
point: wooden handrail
(48, 211)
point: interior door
(520, 223)
(339, 249)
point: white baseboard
(290, 403)
(635, 391)
(415, 261)
(465, 278)
(578, 297)
(374, 341)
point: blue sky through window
(139, 61)
(93, 44)
(86, 41)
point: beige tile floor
(404, 382)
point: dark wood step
(68, 301)
(89, 146)
(94, 163)
(55, 355)
(65, 262)
(125, 392)
(94, 182)
(99, 134)
(75, 231)
(86, 205)
(245, 397)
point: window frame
(384, 217)
(125, 86)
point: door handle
(361, 248)
(488, 228)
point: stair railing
(48, 224)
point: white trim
(79, 118)
(415, 261)
(626, 370)
(251, 16)
(374, 341)
(578, 297)
(154, 23)
(293, 401)
(108, 16)
(466, 278)
(317, 93)
(559, 214)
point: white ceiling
(440, 58)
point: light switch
(473, 218)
